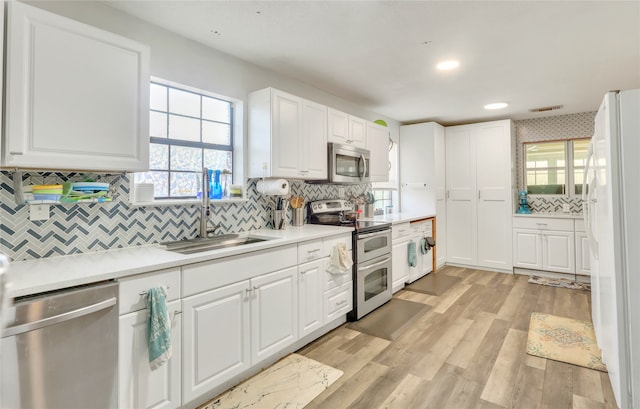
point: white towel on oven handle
(340, 261)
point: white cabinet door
(217, 338)
(462, 200)
(274, 313)
(400, 269)
(441, 202)
(558, 251)
(77, 96)
(139, 386)
(493, 182)
(286, 143)
(313, 158)
(583, 262)
(310, 296)
(338, 123)
(378, 140)
(357, 132)
(527, 252)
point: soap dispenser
(216, 187)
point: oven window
(375, 283)
(375, 244)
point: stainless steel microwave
(348, 164)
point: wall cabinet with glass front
(77, 97)
(555, 167)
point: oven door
(372, 245)
(373, 285)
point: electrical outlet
(566, 207)
(341, 192)
(38, 212)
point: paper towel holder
(273, 187)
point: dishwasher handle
(56, 319)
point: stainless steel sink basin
(218, 242)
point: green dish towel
(423, 246)
(158, 327)
(413, 258)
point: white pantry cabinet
(545, 244)
(286, 133)
(480, 188)
(378, 142)
(346, 129)
(77, 97)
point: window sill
(187, 202)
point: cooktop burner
(336, 212)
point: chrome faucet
(205, 230)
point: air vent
(545, 109)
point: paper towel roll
(277, 187)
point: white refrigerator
(611, 202)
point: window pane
(184, 158)
(187, 129)
(213, 132)
(218, 159)
(158, 97)
(216, 110)
(545, 169)
(159, 156)
(184, 103)
(157, 124)
(184, 184)
(160, 182)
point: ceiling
(382, 54)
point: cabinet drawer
(309, 251)
(400, 230)
(329, 243)
(423, 228)
(543, 223)
(133, 289)
(338, 301)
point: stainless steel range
(371, 253)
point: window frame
(568, 167)
(236, 146)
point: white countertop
(394, 218)
(551, 214)
(54, 273)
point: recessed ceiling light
(496, 105)
(448, 65)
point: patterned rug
(565, 340)
(292, 382)
(560, 282)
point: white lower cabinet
(274, 313)
(558, 251)
(546, 244)
(310, 313)
(400, 269)
(139, 386)
(217, 338)
(583, 261)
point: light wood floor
(466, 351)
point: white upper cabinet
(347, 129)
(378, 138)
(286, 133)
(77, 97)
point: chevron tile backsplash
(86, 227)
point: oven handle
(368, 235)
(386, 260)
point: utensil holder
(368, 210)
(298, 216)
(279, 219)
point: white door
(493, 178)
(527, 252)
(217, 336)
(286, 117)
(441, 202)
(77, 97)
(399, 264)
(338, 126)
(558, 252)
(313, 156)
(139, 386)
(583, 262)
(310, 295)
(461, 196)
(274, 313)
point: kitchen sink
(213, 243)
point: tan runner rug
(564, 340)
(292, 382)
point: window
(555, 167)
(384, 198)
(189, 129)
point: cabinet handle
(144, 293)
(313, 251)
(479, 193)
(349, 141)
(248, 292)
(448, 195)
(341, 302)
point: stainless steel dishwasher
(60, 350)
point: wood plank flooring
(466, 351)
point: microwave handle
(364, 163)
